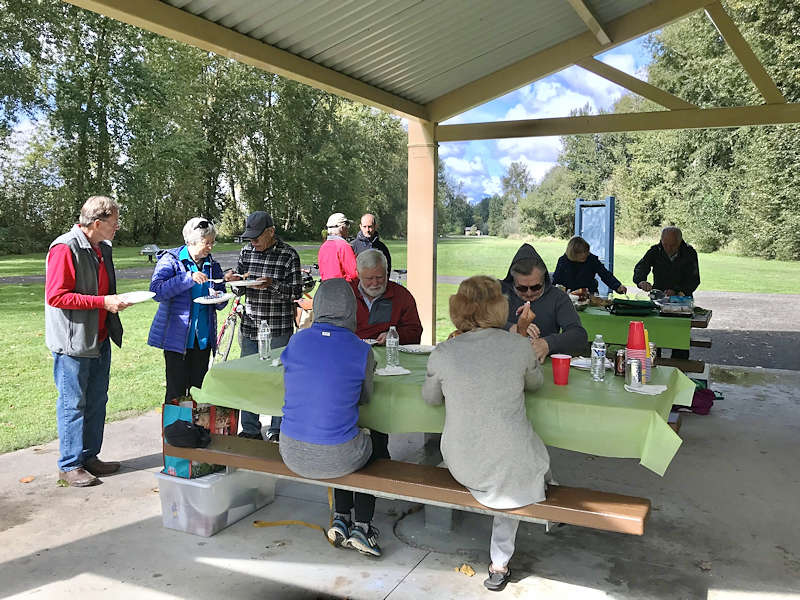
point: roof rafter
(627, 27)
(183, 26)
(586, 15)
(637, 86)
(736, 42)
(740, 116)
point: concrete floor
(724, 525)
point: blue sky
(478, 166)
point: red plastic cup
(636, 335)
(560, 368)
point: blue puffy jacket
(172, 283)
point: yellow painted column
(422, 155)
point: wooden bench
(686, 365)
(433, 486)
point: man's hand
(265, 283)
(541, 348)
(114, 303)
(644, 285)
(381, 339)
(231, 275)
(622, 290)
(199, 277)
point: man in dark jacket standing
(80, 317)
(556, 328)
(674, 265)
(368, 238)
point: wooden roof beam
(736, 42)
(586, 15)
(627, 27)
(740, 116)
(637, 86)
(163, 19)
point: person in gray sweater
(488, 442)
(556, 329)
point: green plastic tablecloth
(665, 332)
(593, 417)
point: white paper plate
(136, 297)
(370, 341)
(581, 362)
(416, 348)
(214, 299)
(244, 283)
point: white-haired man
(80, 316)
(336, 258)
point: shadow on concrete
(142, 463)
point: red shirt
(60, 285)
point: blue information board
(594, 222)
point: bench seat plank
(432, 485)
(686, 365)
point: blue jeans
(250, 421)
(81, 410)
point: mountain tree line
(89, 105)
(734, 188)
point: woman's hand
(533, 331)
(199, 277)
(622, 290)
(541, 348)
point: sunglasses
(202, 225)
(532, 288)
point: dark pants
(185, 371)
(344, 500)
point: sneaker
(497, 581)
(339, 532)
(366, 543)
(250, 436)
(274, 436)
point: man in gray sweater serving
(556, 327)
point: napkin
(647, 389)
(392, 371)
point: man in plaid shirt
(277, 266)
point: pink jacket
(336, 260)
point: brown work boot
(98, 468)
(79, 477)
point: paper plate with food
(416, 348)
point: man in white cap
(336, 258)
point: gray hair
(370, 259)
(97, 208)
(192, 233)
(337, 229)
(672, 230)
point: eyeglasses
(532, 288)
(202, 225)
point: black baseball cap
(256, 223)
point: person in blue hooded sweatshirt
(327, 373)
(185, 330)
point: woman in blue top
(184, 329)
(577, 268)
(327, 374)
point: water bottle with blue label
(598, 358)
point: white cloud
(464, 166)
(492, 186)
(536, 168)
(537, 148)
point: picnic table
(665, 332)
(598, 418)
(150, 251)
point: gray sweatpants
(504, 533)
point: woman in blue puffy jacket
(577, 269)
(184, 329)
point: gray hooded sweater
(556, 317)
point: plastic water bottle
(392, 348)
(264, 340)
(598, 358)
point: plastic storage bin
(208, 504)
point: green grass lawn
(28, 395)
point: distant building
(472, 230)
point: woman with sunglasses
(556, 327)
(184, 329)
